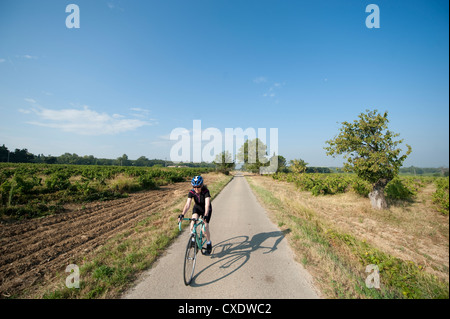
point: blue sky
(136, 70)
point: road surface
(250, 257)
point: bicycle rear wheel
(189, 260)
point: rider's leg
(208, 235)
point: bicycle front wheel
(189, 260)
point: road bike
(197, 240)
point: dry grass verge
(337, 236)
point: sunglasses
(197, 186)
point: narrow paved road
(250, 257)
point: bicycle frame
(198, 235)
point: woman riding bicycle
(202, 207)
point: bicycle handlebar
(194, 219)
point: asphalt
(250, 259)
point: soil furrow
(36, 249)
(95, 224)
(30, 227)
(53, 256)
(11, 244)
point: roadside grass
(113, 268)
(338, 259)
(117, 263)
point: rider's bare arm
(186, 206)
(207, 203)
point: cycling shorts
(198, 210)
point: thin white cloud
(260, 79)
(2, 60)
(139, 112)
(30, 100)
(112, 6)
(163, 140)
(27, 56)
(271, 92)
(86, 121)
(138, 109)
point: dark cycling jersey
(199, 200)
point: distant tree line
(23, 156)
(424, 171)
(18, 156)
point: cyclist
(202, 207)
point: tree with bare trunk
(370, 151)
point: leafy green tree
(298, 166)
(21, 156)
(142, 161)
(282, 167)
(50, 159)
(224, 162)
(123, 160)
(4, 153)
(68, 158)
(370, 151)
(253, 154)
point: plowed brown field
(34, 250)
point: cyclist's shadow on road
(232, 254)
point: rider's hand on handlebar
(180, 218)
